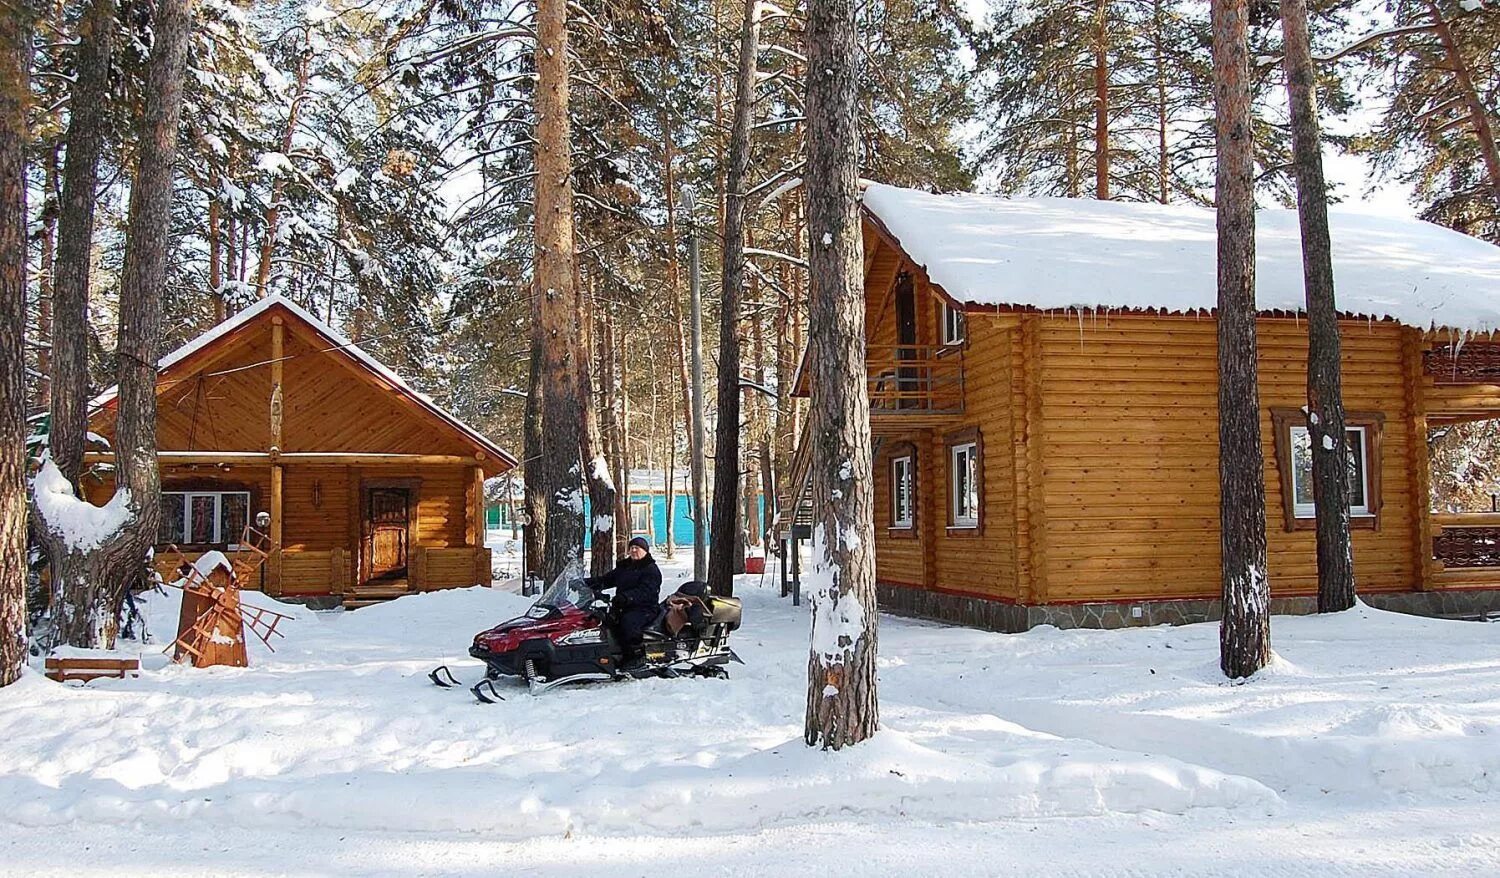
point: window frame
(952, 318)
(647, 505)
(969, 439)
(906, 460)
(1300, 516)
(218, 493)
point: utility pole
(695, 441)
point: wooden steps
(372, 593)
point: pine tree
(1245, 633)
(1438, 133)
(842, 704)
(1325, 398)
(16, 19)
(555, 465)
(88, 126)
(724, 546)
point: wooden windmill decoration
(211, 626)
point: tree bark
(1163, 149)
(606, 522)
(74, 614)
(44, 279)
(725, 521)
(273, 210)
(1245, 633)
(75, 240)
(215, 246)
(1325, 395)
(674, 281)
(557, 469)
(94, 584)
(534, 502)
(842, 708)
(1101, 100)
(16, 20)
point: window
(963, 482)
(901, 492)
(1294, 455)
(953, 325)
(1302, 477)
(203, 517)
(640, 517)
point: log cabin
(1043, 407)
(372, 490)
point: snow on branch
(80, 524)
(776, 254)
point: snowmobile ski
(441, 676)
(486, 692)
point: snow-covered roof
(336, 342)
(1066, 253)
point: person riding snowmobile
(637, 584)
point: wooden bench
(64, 669)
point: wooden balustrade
(1467, 541)
(915, 379)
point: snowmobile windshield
(565, 591)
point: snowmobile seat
(726, 612)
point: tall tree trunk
(725, 521)
(215, 246)
(75, 240)
(73, 613)
(16, 19)
(1325, 395)
(91, 611)
(557, 460)
(617, 441)
(674, 277)
(1159, 61)
(534, 502)
(842, 707)
(1245, 633)
(44, 282)
(592, 444)
(278, 188)
(1101, 100)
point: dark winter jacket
(637, 585)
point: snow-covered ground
(1372, 747)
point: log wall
(1129, 443)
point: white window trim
(218, 514)
(955, 326)
(1309, 510)
(970, 449)
(641, 504)
(904, 462)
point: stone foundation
(993, 615)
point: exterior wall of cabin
(980, 561)
(1129, 436)
(329, 405)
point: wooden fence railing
(915, 379)
(1467, 540)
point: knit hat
(642, 542)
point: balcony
(914, 386)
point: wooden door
(388, 525)
(906, 337)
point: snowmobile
(565, 637)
